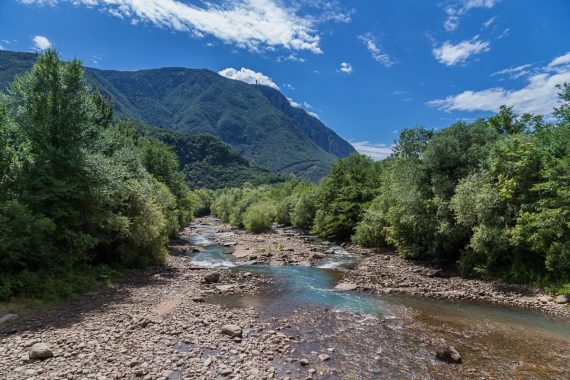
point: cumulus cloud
(294, 103)
(41, 43)
(450, 54)
(458, 9)
(248, 76)
(346, 68)
(251, 24)
(313, 114)
(538, 96)
(558, 61)
(370, 41)
(373, 150)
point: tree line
(491, 196)
(82, 196)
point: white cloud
(294, 103)
(41, 43)
(372, 46)
(456, 11)
(251, 24)
(372, 150)
(346, 68)
(450, 54)
(2, 47)
(489, 22)
(514, 72)
(538, 96)
(481, 3)
(313, 114)
(562, 60)
(248, 76)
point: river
(376, 337)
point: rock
(198, 299)
(345, 286)
(232, 331)
(225, 288)
(304, 362)
(212, 278)
(432, 273)
(562, 299)
(226, 372)
(324, 357)
(317, 256)
(8, 317)
(230, 244)
(197, 249)
(448, 354)
(40, 351)
(545, 299)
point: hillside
(257, 121)
(208, 162)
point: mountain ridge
(256, 120)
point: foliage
(77, 191)
(491, 196)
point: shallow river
(381, 337)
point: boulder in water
(233, 331)
(40, 351)
(212, 278)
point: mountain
(256, 120)
(208, 162)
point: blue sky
(367, 69)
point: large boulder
(40, 351)
(233, 331)
(562, 299)
(448, 354)
(212, 278)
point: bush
(259, 217)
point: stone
(324, 357)
(345, 286)
(230, 244)
(562, 299)
(212, 278)
(225, 288)
(226, 372)
(198, 299)
(197, 249)
(544, 299)
(448, 354)
(317, 256)
(8, 317)
(232, 331)
(304, 362)
(40, 351)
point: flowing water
(378, 337)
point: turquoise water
(296, 287)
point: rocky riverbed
(187, 321)
(384, 272)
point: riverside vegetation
(81, 196)
(492, 197)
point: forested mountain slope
(256, 120)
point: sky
(366, 69)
